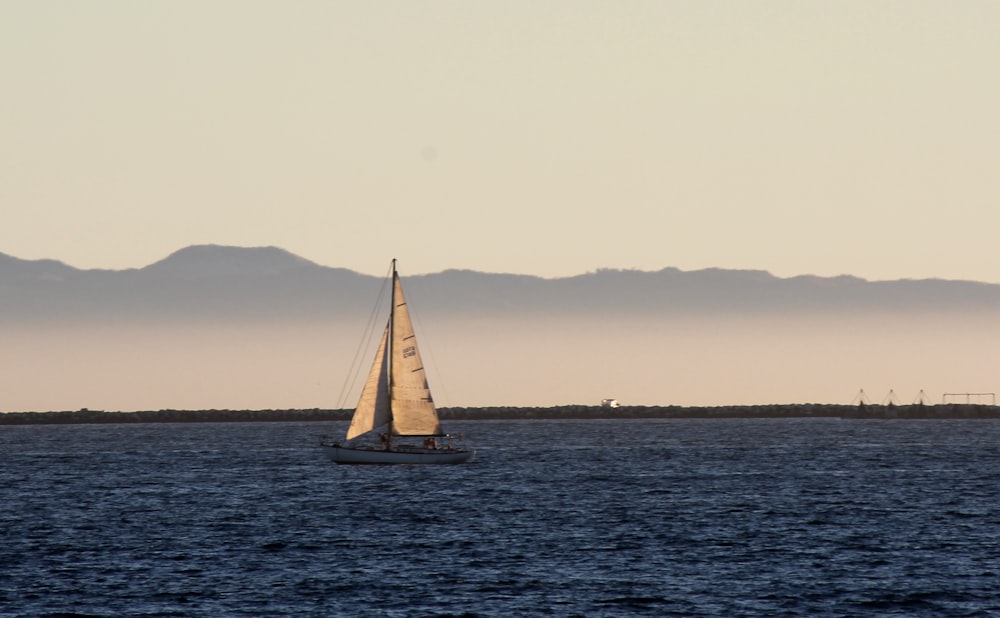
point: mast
(388, 350)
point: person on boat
(430, 443)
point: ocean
(778, 517)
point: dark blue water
(589, 518)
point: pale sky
(539, 137)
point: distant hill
(215, 262)
(207, 282)
(218, 282)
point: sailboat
(396, 404)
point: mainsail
(396, 390)
(413, 411)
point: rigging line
(439, 384)
(366, 337)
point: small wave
(633, 601)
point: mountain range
(260, 328)
(223, 282)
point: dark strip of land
(567, 412)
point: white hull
(411, 455)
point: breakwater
(567, 412)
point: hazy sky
(542, 137)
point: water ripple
(555, 518)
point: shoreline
(565, 412)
